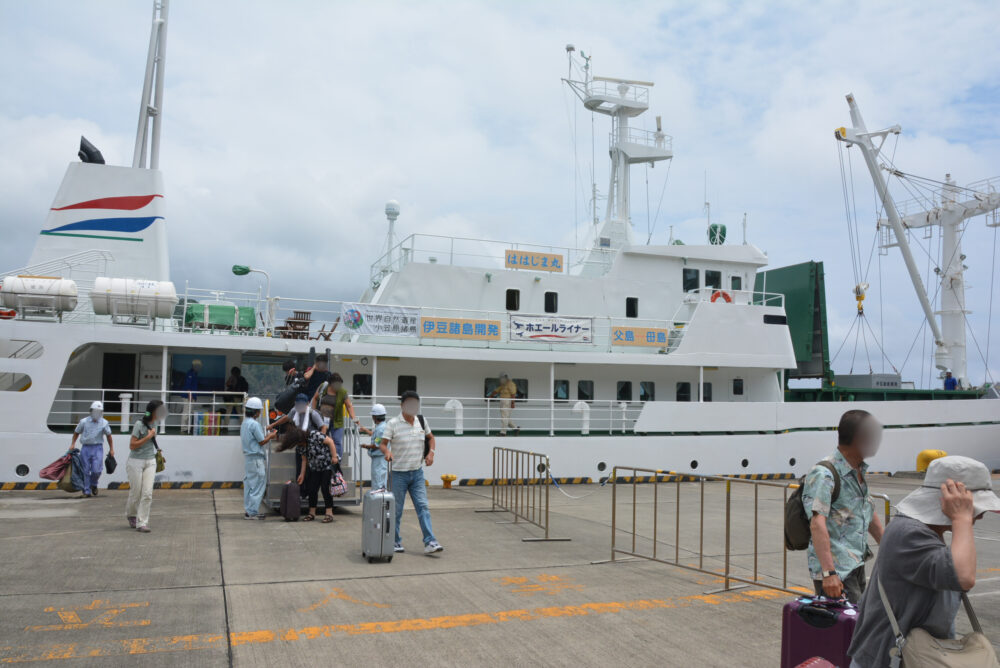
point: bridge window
(737, 387)
(713, 279)
(406, 383)
(691, 279)
(513, 300)
(551, 302)
(362, 385)
(584, 390)
(647, 390)
(624, 390)
(736, 283)
(560, 390)
(683, 391)
(631, 307)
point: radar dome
(392, 208)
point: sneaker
(131, 522)
(144, 529)
(93, 490)
(398, 547)
(432, 547)
(248, 516)
(260, 516)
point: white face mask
(411, 407)
(301, 408)
(96, 414)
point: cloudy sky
(288, 125)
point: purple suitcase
(817, 626)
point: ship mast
(621, 99)
(151, 105)
(950, 336)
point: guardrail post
(729, 487)
(614, 508)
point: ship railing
(205, 413)
(520, 486)
(739, 297)
(323, 320)
(633, 92)
(485, 416)
(646, 138)
(481, 253)
(692, 542)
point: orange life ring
(7, 314)
(722, 293)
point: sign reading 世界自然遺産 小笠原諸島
(551, 330)
(639, 336)
(379, 320)
(460, 328)
(515, 259)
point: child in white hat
(380, 468)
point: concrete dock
(207, 588)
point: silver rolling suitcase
(378, 530)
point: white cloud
(288, 126)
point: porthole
(22, 470)
(602, 466)
(745, 463)
(791, 462)
(694, 464)
(541, 467)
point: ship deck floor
(207, 588)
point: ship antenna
(744, 228)
(151, 105)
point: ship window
(362, 386)
(551, 302)
(560, 390)
(713, 279)
(513, 299)
(738, 387)
(19, 382)
(604, 242)
(647, 391)
(406, 383)
(624, 390)
(683, 391)
(736, 283)
(631, 307)
(585, 390)
(491, 384)
(706, 391)
(691, 279)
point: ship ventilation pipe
(455, 406)
(584, 408)
(624, 406)
(89, 153)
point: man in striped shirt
(403, 445)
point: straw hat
(924, 503)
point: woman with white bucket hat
(918, 576)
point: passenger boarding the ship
(92, 431)
(507, 391)
(189, 395)
(331, 399)
(302, 416)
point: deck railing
(204, 414)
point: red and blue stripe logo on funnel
(121, 224)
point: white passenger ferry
(673, 357)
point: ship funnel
(89, 153)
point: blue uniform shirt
(377, 439)
(951, 383)
(92, 431)
(251, 434)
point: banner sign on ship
(515, 259)
(379, 320)
(551, 330)
(460, 328)
(639, 336)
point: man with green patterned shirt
(841, 511)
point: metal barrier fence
(520, 486)
(635, 474)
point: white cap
(97, 406)
(254, 403)
(378, 409)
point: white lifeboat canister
(48, 292)
(133, 297)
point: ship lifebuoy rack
(7, 314)
(722, 294)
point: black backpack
(797, 531)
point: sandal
(308, 518)
(327, 519)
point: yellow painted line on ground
(205, 641)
